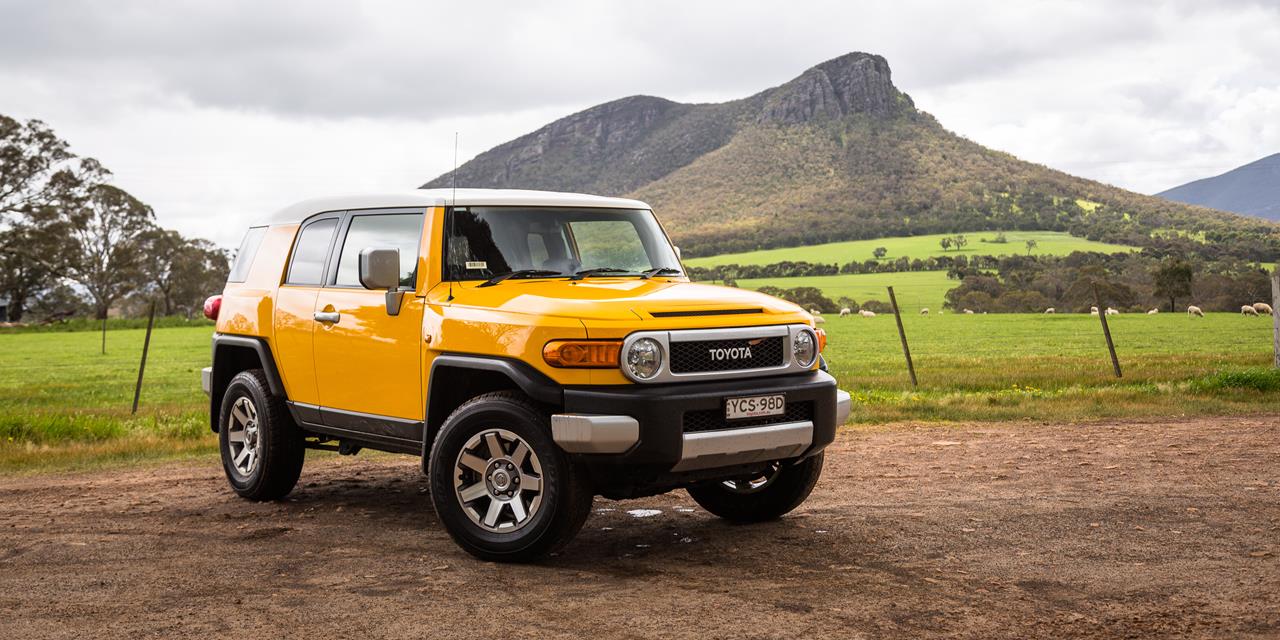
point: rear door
(295, 306)
(368, 363)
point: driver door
(368, 362)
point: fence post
(902, 334)
(1106, 330)
(1275, 318)
(146, 345)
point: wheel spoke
(530, 483)
(474, 463)
(521, 452)
(491, 517)
(517, 508)
(238, 413)
(236, 435)
(477, 490)
(495, 448)
(242, 456)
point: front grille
(697, 357)
(713, 419)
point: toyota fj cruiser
(535, 349)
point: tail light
(212, 305)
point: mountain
(838, 153)
(1253, 189)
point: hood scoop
(706, 312)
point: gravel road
(1132, 529)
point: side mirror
(380, 269)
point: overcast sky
(217, 113)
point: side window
(307, 265)
(245, 254)
(401, 231)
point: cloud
(216, 111)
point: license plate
(755, 406)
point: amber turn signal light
(591, 354)
(822, 339)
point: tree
(880, 252)
(33, 250)
(180, 271)
(1031, 244)
(107, 227)
(946, 243)
(1173, 279)
(960, 241)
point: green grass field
(1050, 243)
(914, 289)
(63, 405)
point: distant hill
(838, 153)
(1253, 189)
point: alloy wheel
(498, 481)
(243, 437)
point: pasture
(63, 404)
(1049, 243)
(914, 289)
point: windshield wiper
(599, 271)
(520, 273)
(660, 271)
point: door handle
(328, 316)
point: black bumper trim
(660, 411)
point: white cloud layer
(218, 112)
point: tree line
(71, 243)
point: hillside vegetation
(1047, 243)
(838, 153)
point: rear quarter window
(245, 254)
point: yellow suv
(535, 349)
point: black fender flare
(532, 382)
(219, 382)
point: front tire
(766, 496)
(501, 486)
(262, 450)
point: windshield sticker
(477, 264)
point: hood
(670, 303)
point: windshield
(484, 242)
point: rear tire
(766, 497)
(501, 486)
(262, 449)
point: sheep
(1093, 311)
(819, 319)
(1153, 312)
(924, 311)
(1263, 308)
(1050, 310)
(815, 312)
(1248, 310)
(1194, 311)
(867, 314)
(968, 312)
(845, 312)
(1112, 312)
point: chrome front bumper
(612, 434)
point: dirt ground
(1103, 530)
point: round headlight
(644, 358)
(804, 348)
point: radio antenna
(453, 201)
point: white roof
(449, 197)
